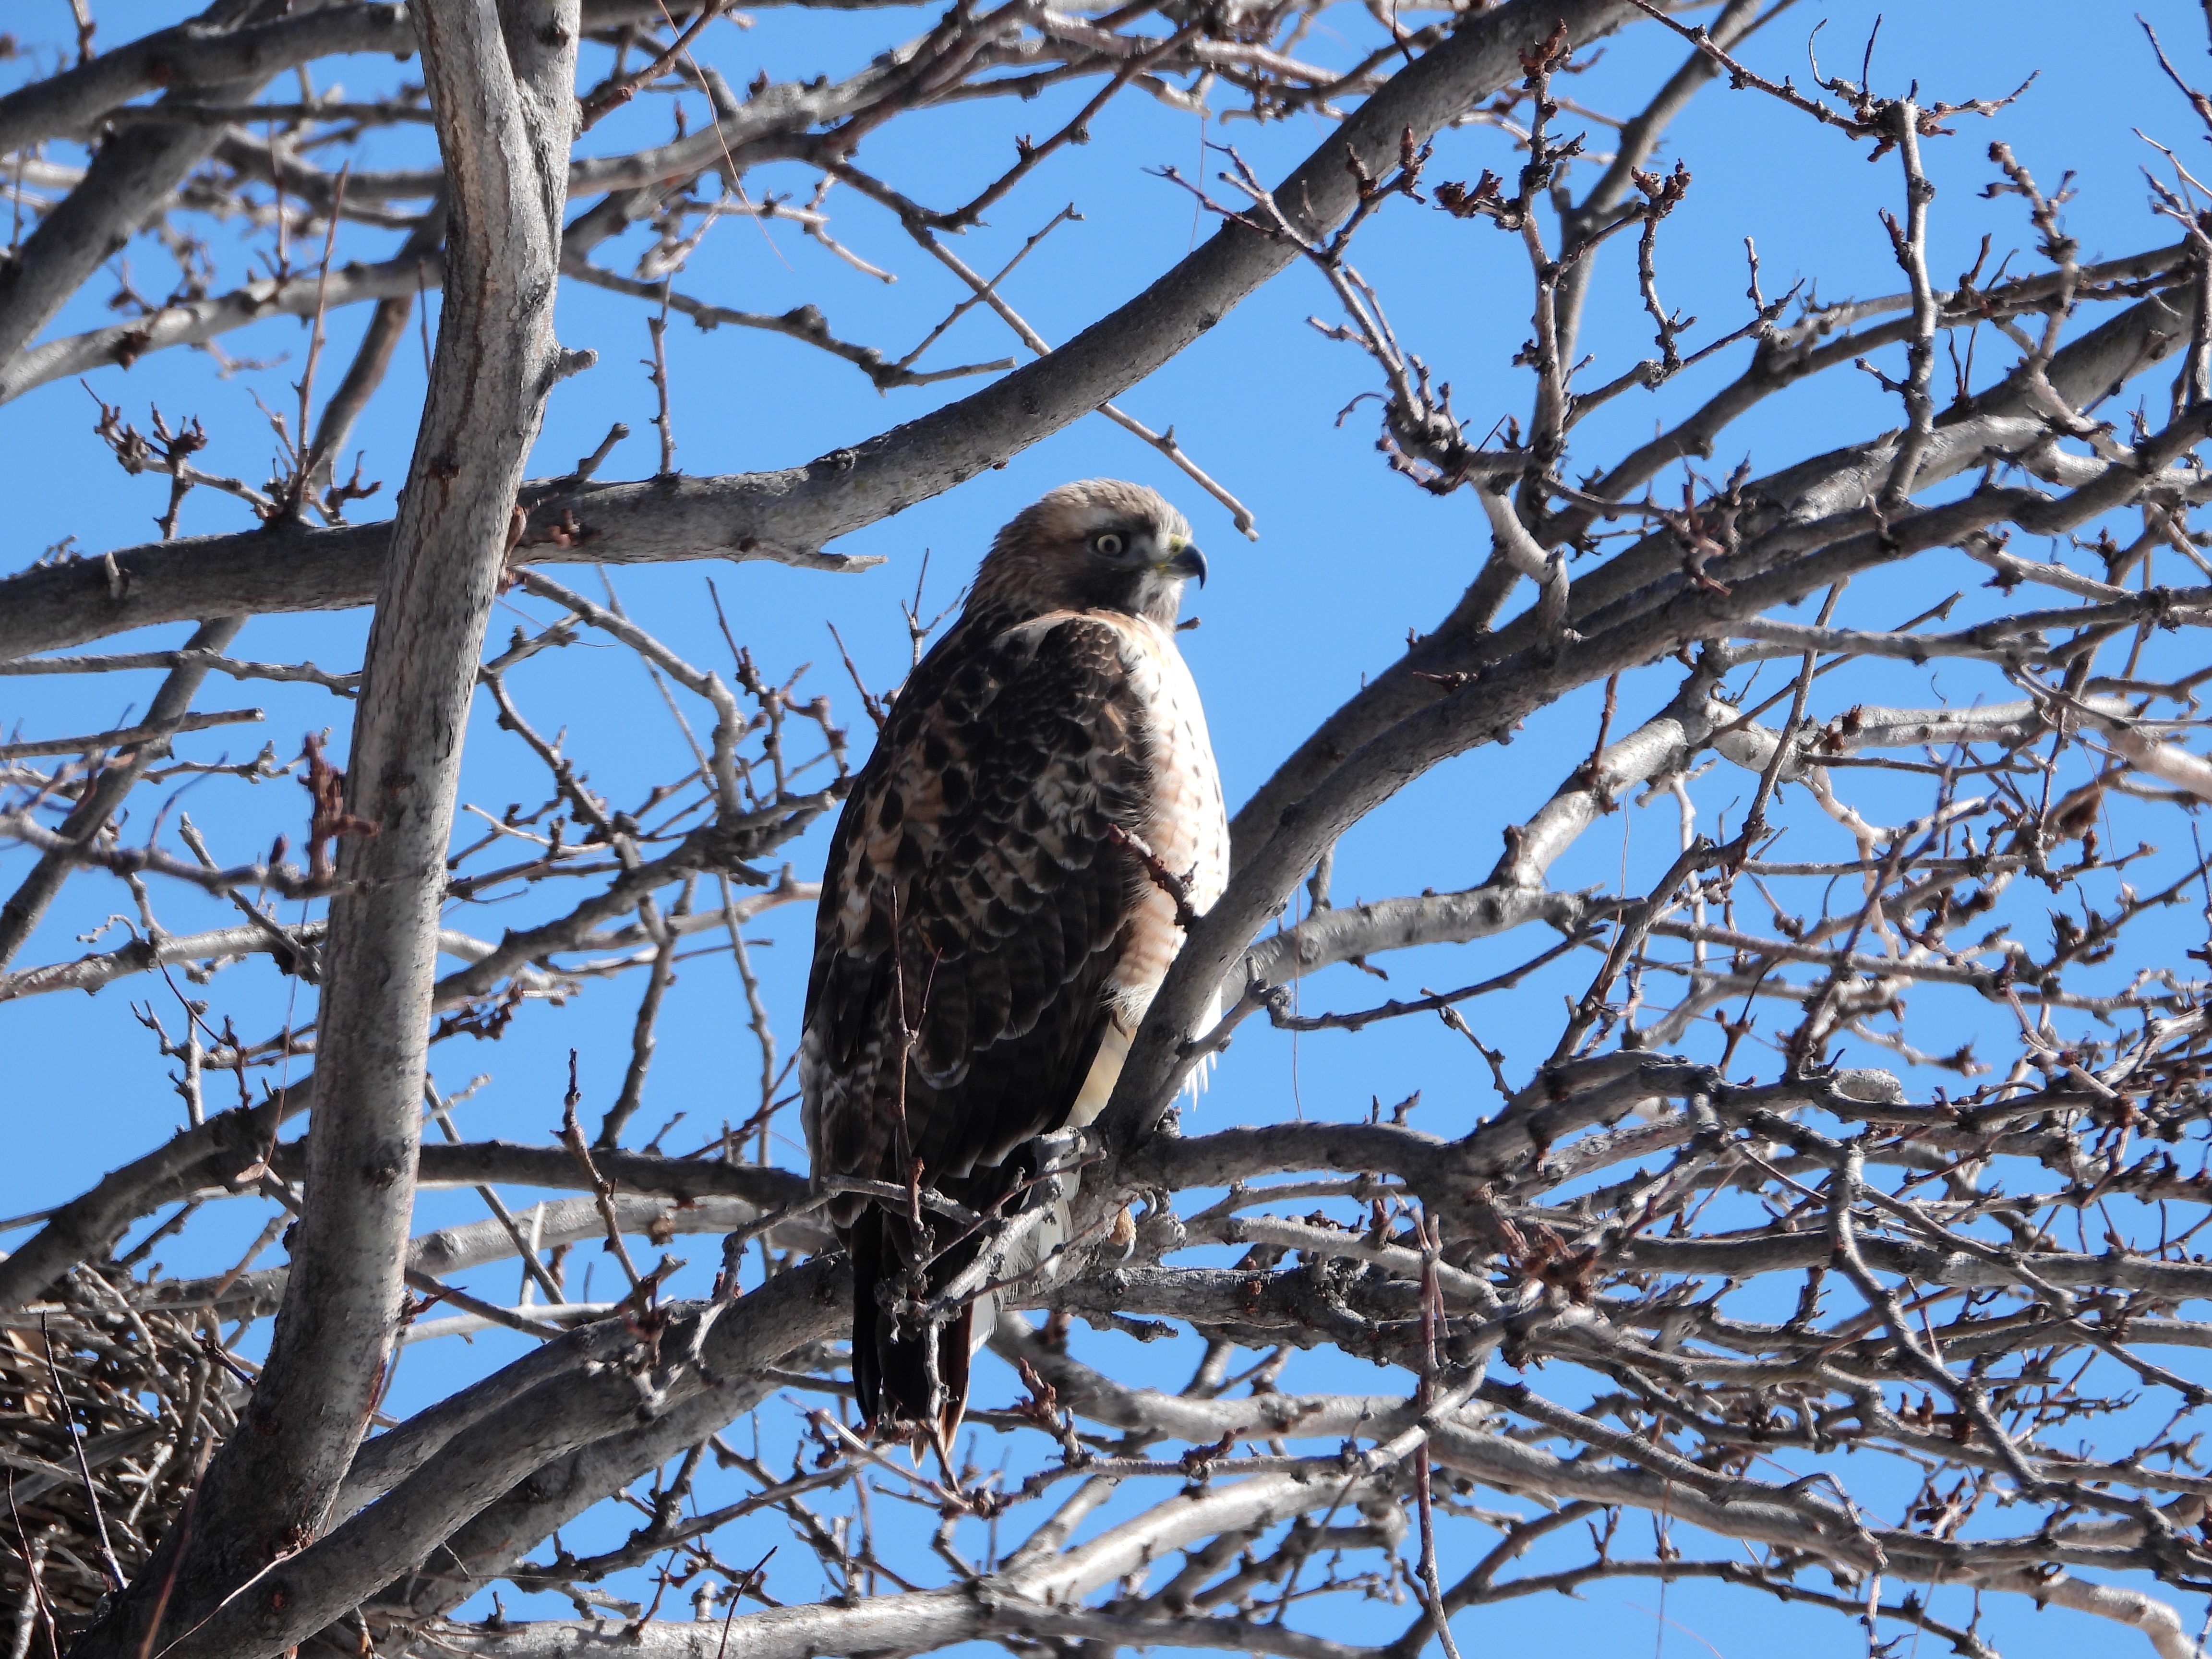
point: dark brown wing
(975, 900)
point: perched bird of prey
(999, 907)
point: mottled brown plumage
(987, 941)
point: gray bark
(790, 514)
(501, 93)
(130, 177)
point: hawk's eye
(1109, 545)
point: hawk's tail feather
(865, 1245)
(904, 1376)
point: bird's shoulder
(993, 651)
(1017, 690)
(1012, 745)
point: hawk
(1000, 906)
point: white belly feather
(1187, 827)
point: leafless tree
(1628, 1327)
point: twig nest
(148, 1398)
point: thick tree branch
(790, 514)
(501, 93)
(214, 1154)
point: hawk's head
(1098, 545)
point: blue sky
(1349, 557)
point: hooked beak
(1187, 562)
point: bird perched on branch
(1008, 884)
